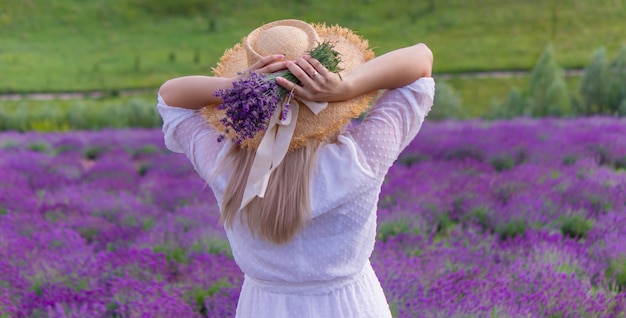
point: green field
(73, 45)
(83, 45)
(477, 94)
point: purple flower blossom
(78, 239)
(249, 105)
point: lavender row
(507, 143)
(521, 218)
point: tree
(616, 94)
(548, 91)
(593, 84)
(447, 103)
(515, 105)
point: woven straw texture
(260, 42)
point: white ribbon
(274, 146)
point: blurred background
(76, 64)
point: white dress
(324, 271)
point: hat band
(274, 147)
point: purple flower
(249, 105)
(80, 239)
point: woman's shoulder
(344, 156)
(341, 174)
(425, 84)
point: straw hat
(293, 38)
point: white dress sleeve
(186, 131)
(392, 123)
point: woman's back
(345, 185)
(322, 270)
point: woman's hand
(267, 64)
(195, 92)
(390, 70)
(316, 82)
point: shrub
(444, 223)
(447, 103)
(481, 217)
(603, 85)
(515, 105)
(616, 94)
(569, 160)
(413, 158)
(391, 229)
(501, 163)
(40, 146)
(511, 229)
(463, 153)
(548, 92)
(93, 153)
(576, 226)
(617, 271)
(621, 109)
(14, 119)
(84, 114)
(593, 84)
(173, 253)
(620, 163)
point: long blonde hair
(286, 206)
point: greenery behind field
(114, 44)
(72, 45)
(80, 114)
(543, 91)
(139, 110)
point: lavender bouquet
(252, 100)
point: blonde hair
(286, 206)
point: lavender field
(520, 218)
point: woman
(298, 200)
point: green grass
(36, 105)
(83, 45)
(477, 94)
(83, 114)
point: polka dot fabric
(324, 271)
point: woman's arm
(393, 69)
(195, 92)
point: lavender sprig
(250, 103)
(325, 53)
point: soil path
(75, 95)
(130, 92)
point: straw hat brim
(354, 51)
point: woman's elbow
(165, 90)
(425, 60)
(171, 91)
